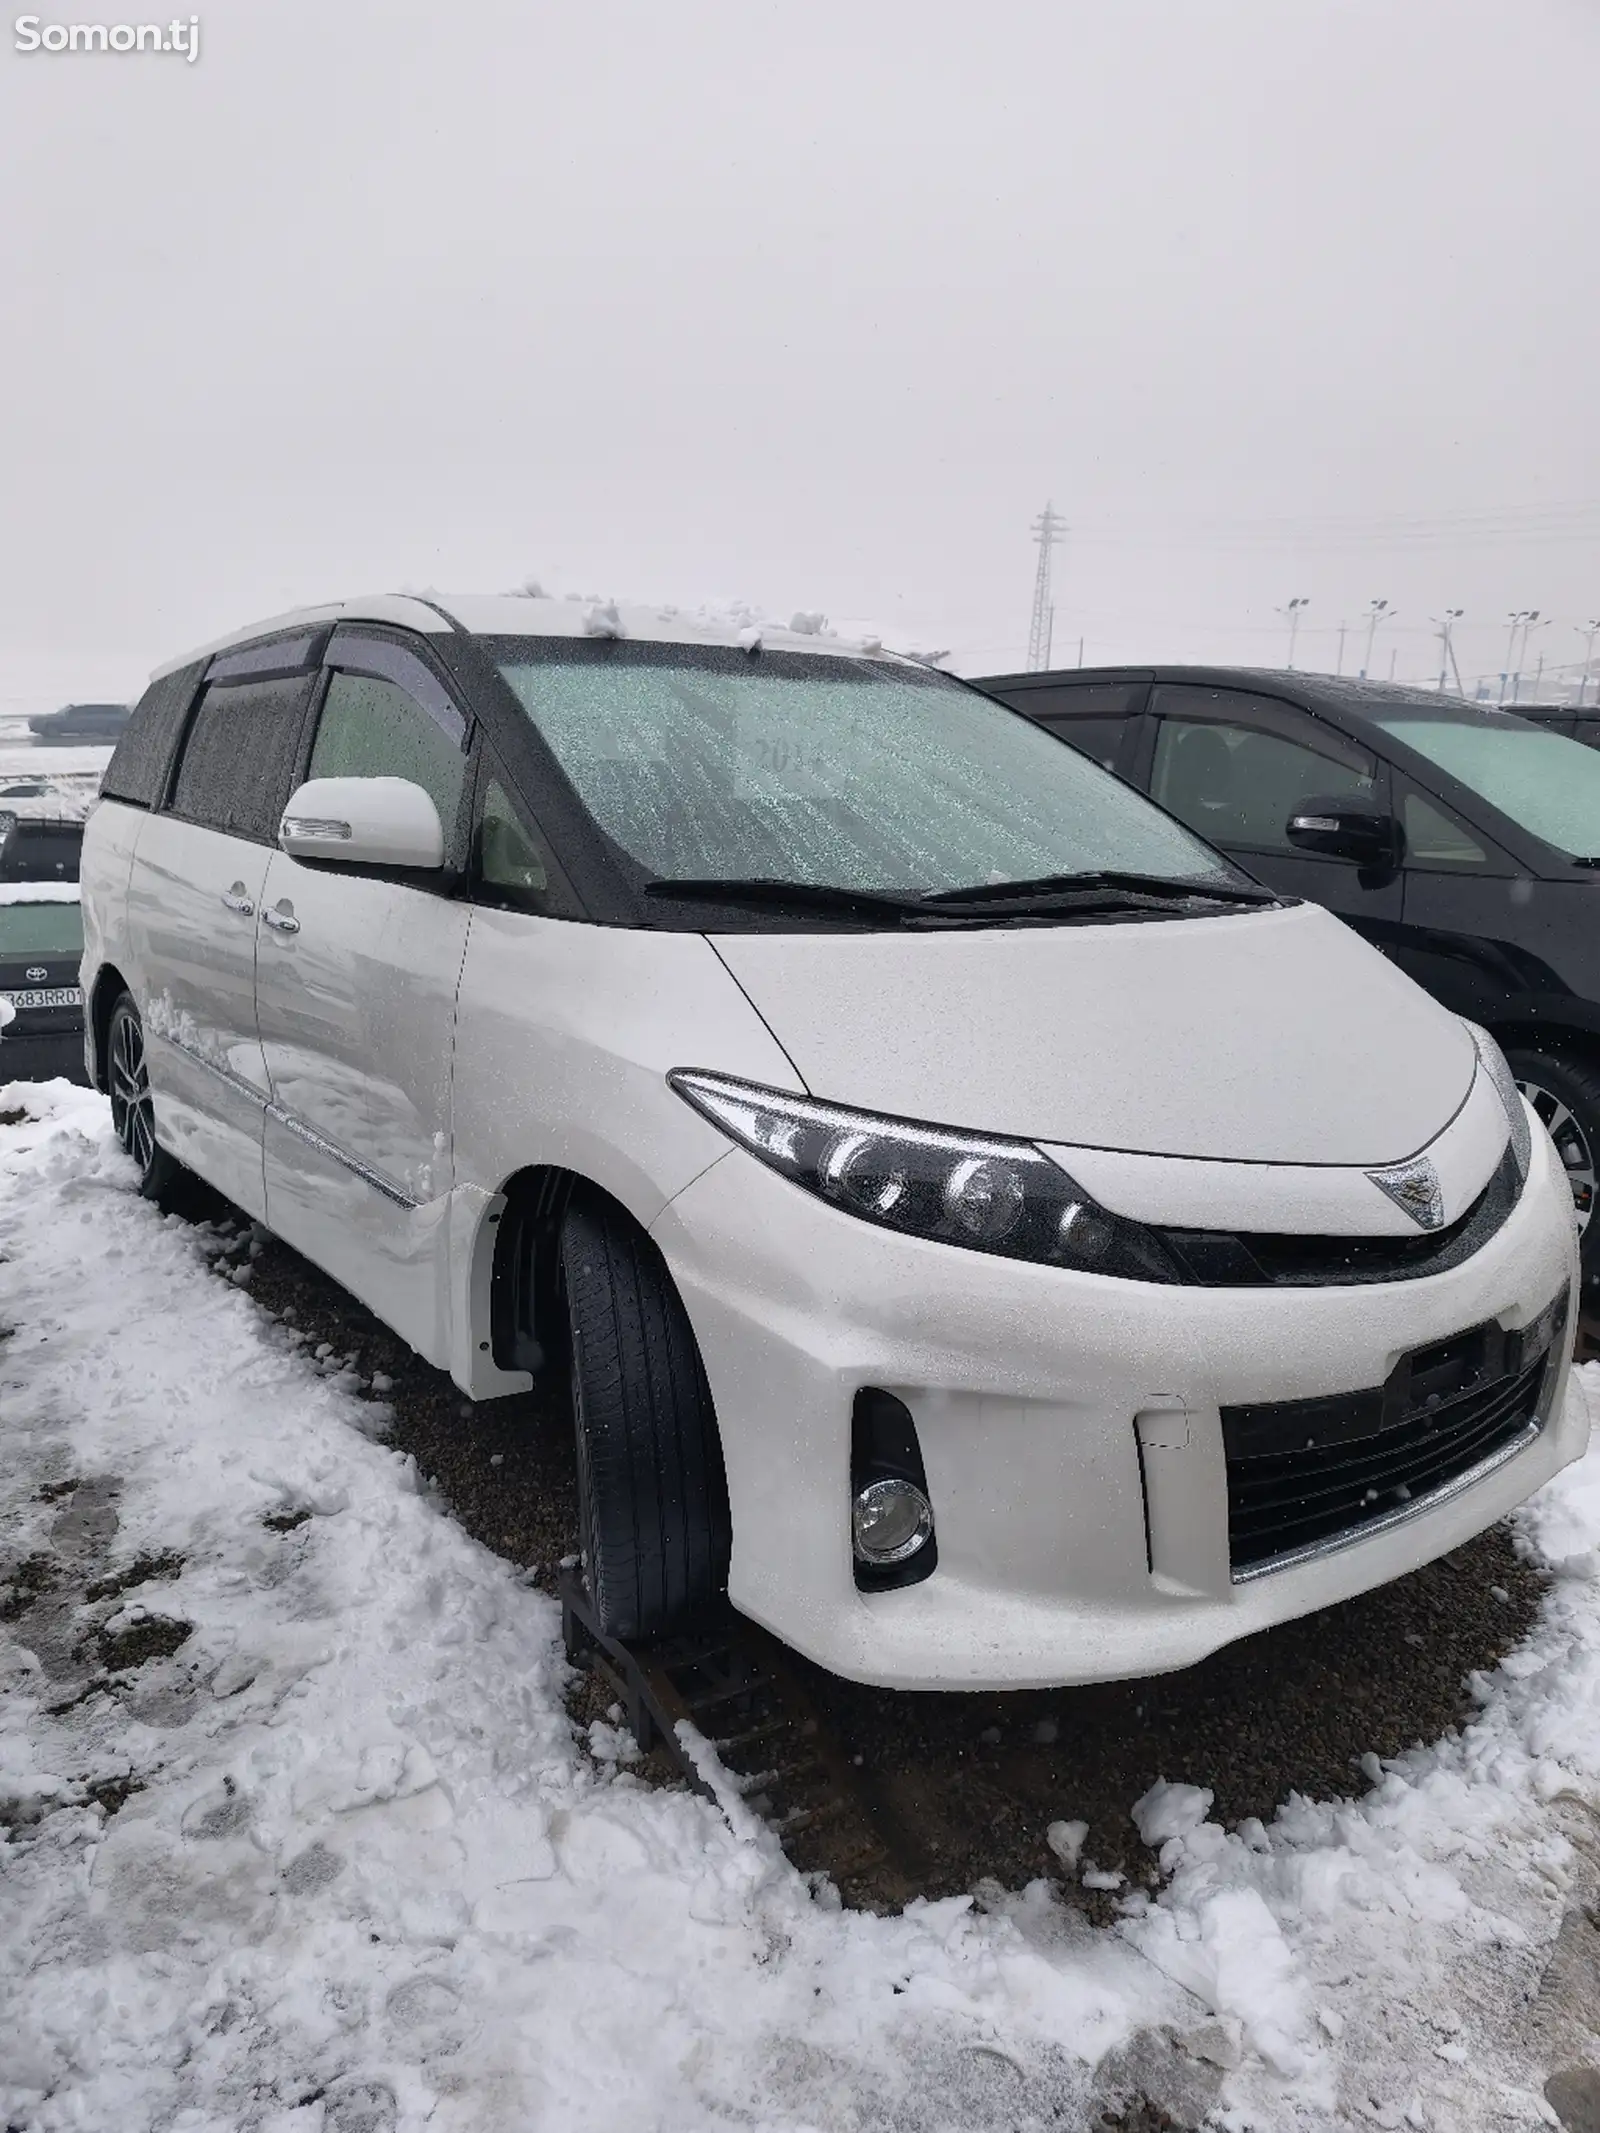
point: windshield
(1548, 785)
(703, 763)
(40, 929)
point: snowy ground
(370, 1879)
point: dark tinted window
(279, 655)
(1101, 738)
(138, 770)
(1089, 699)
(1236, 766)
(239, 758)
(1092, 717)
(372, 728)
(1587, 730)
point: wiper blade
(795, 895)
(1105, 878)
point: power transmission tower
(1047, 530)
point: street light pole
(1447, 650)
(1378, 611)
(1292, 611)
(1591, 630)
(1516, 619)
(1530, 622)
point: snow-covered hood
(1273, 1036)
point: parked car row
(986, 1230)
(41, 945)
(1577, 725)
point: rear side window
(239, 758)
(1093, 717)
(138, 770)
(371, 728)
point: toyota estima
(984, 1232)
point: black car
(1460, 839)
(34, 849)
(41, 942)
(1578, 725)
(80, 722)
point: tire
(652, 1497)
(1566, 1094)
(132, 1113)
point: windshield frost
(700, 763)
(41, 929)
(1547, 784)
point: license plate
(48, 996)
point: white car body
(370, 1083)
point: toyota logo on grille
(1415, 1187)
(36, 974)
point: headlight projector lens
(890, 1520)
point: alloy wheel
(132, 1115)
(1572, 1145)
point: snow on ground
(373, 1879)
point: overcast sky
(809, 305)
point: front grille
(1222, 1259)
(1308, 1475)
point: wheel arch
(109, 986)
(1563, 1039)
(527, 1329)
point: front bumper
(1070, 1426)
(29, 1055)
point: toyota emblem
(37, 974)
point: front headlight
(989, 1194)
(1497, 1067)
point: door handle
(236, 900)
(281, 919)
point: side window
(1235, 766)
(1093, 717)
(1435, 839)
(1587, 730)
(239, 756)
(372, 728)
(137, 772)
(510, 864)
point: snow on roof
(731, 625)
(38, 892)
(65, 803)
(540, 614)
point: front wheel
(1565, 1093)
(132, 1112)
(652, 1495)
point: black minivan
(1459, 839)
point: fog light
(890, 1520)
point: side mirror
(363, 822)
(1346, 827)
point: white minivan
(987, 1236)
